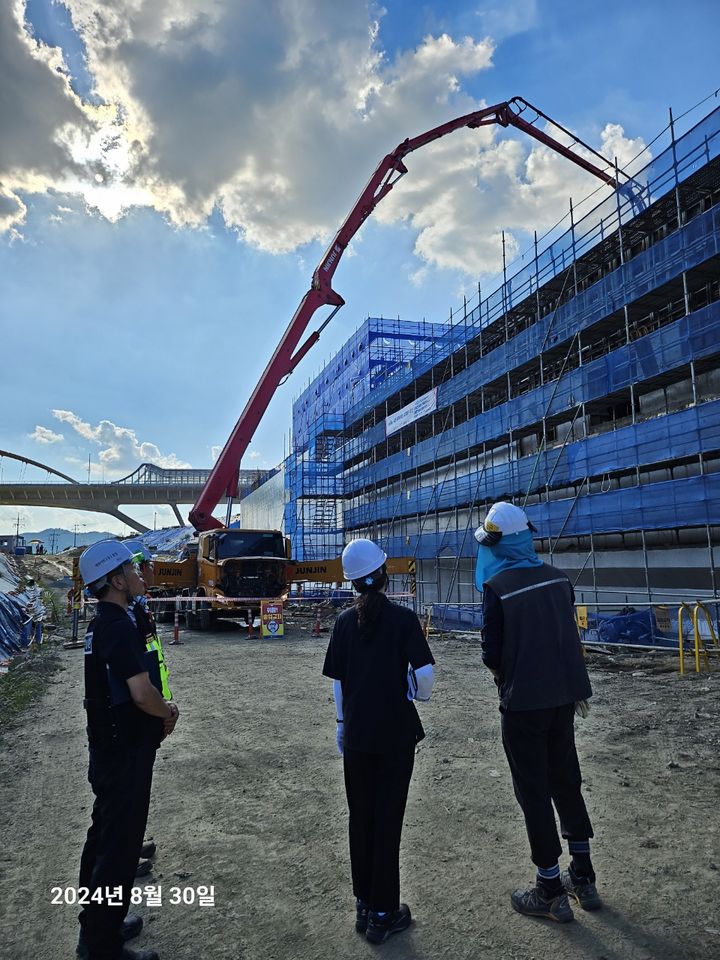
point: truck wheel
(166, 612)
(206, 619)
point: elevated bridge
(149, 485)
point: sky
(171, 172)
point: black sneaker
(380, 928)
(131, 927)
(143, 868)
(582, 890)
(361, 918)
(147, 850)
(533, 904)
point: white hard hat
(361, 557)
(102, 558)
(138, 549)
(502, 520)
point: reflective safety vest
(154, 645)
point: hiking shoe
(147, 850)
(143, 868)
(380, 928)
(361, 918)
(129, 953)
(131, 927)
(533, 904)
(582, 890)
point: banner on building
(271, 617)
(425, 404)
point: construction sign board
(662, 618)
(271, 618)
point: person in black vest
(380, 662)
(127, 718)
(531, 644)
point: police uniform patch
(88, 642)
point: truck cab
(238, 563)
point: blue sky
(170, 174)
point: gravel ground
(248, 798)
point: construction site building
(586, 387)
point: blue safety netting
(673, 504)
(685, 433)
(377, 349)
(690, 338)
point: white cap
(102, 558)
(360, 558)
(502, 520)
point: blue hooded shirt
(513, 551)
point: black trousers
(121, 779)
(377, 787)
(540, 748)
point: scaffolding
(585, 387)
(314, 487)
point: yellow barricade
(698, 639)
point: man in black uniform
(127, 719)
(141, 615)
(531, 644)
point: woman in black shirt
(380, 662)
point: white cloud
(509, 18)
(275, 112)
(121, 450)
(45, 435)
(38, 109)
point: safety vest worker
(139, 611)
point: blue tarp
(633, 627)
(12, 617)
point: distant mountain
(56, 539)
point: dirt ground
(248, 798)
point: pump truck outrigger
(223, 479)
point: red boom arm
(223, 480)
